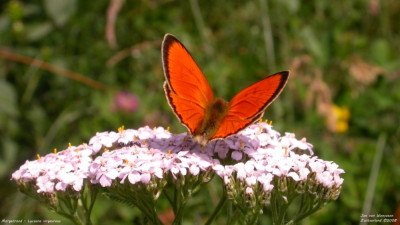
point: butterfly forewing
(249, 105)
(183, 76)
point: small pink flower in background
(125, 101)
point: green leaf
(293, 5)
(8, 157)
(60, 10)
(8, 99)
(380, 51)
(36, 32)
(15, 10)
(313, 44)
(4, 23)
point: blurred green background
(343, 94)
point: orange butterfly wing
(186, 88)
(249, 104)
(188, 112)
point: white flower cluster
(270, 156)
(255, 156)
(57, 171)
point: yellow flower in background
(341, 116)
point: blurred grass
(343, 53)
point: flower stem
(88, 210)
(274, 209)
(282, 213)
(216, 210)
(380, 146)
(234, 218)
(230, 213)
(279, 208)
(180, 203)
(174, 206)
(254, 216)
(169, 199)
(310, 211)
(74, 218)
(77, 220)
(138, 196)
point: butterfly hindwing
(232, 124)
(249, 105)
(189, 113)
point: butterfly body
(214, 114)
(191, 98)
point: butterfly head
(201, 139)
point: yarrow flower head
(58, 178)
(57, 171)
(258, 168)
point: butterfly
(190, 96)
